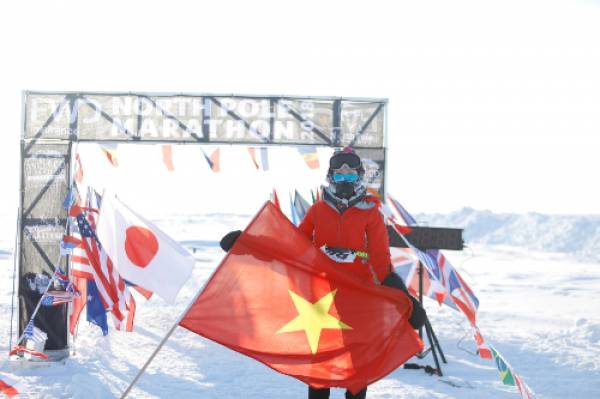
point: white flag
(143, 254)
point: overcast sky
(494, 105)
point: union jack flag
(408, 219)
(440, 279)
(457, 293)
(443, 282)
(405, 262)
(483, 349)
(90, 261)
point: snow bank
(576, 235)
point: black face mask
(344, 190)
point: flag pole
(162, 342)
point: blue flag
(300, 206)
(295, 218)
(96, 313)
(69, 199)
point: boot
(359, 395)
(314, 393)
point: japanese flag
(143, 254)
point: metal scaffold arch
(53, 122)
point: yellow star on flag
(312, 318)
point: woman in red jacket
(348, 226)
(346, 218)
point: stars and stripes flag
(90, 261)
(55, 298)
(63, 279)
(22, 349)
(34, 334)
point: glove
(229, 239)
(418, 315)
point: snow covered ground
(541, 310)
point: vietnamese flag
(278, 299)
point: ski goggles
(345, 177)
(348, 159)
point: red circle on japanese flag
(141, 245)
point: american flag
(62, 278)
(90, 261)
(32, 333)
(22, 349)
(55, 298)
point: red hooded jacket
(360, 228)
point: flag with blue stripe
(32, 333)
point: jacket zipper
(339, 229)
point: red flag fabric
(78, 302)
(110, 150)
(142, 253)
(252, 153)
(8, 387)
(78, 169)
(167, 153)
(275, 198)
(22, 349)
(280, 300)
